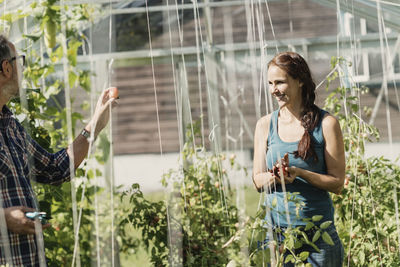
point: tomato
(216, 184)
(113, 92)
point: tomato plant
(366, 208)
(195, 221)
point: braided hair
(296, 67)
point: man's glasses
(20, 59)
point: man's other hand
(18, 223)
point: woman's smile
(280, 96)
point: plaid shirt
(21, 158)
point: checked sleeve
(46, 167)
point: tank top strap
(317, 134)
(272, 125)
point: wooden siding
(135, 119)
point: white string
(355, 58)
(214, 125)
(326, 77)
(373, 208)
(110, 31)
(396, 208)
(384, 69)
(251, 40)
(92, 106)
(70, 134)
(197, 27)
(5, 243)
(272, 26)
(185, 82)
(179, 119)
(154, 78)
(340, 20)
(38, 225)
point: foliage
(198, 212)
(44, 115)
(151, 218)
(365, 211)
(295, 244)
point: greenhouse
(200, 133)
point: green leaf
(57, 54)
(289, 258)
(362, 257)
(290, 242)
(327, 238)
(304, 255)
(72, 79)
(274, 202)
(316, 236)
(72, 52)
(325, 225)
(298, 244)
(309, 225)
(317, 218)
(33, 37)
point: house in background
(217, 70)
(207, 61)
(227, 85)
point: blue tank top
(308, 199)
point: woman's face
(283, 87)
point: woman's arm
(261, 177)
(334, 158)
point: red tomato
(113, 93)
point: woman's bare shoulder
(264, 120)
(263, 123)
(330, 125)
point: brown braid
(296, 67)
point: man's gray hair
(5, 51)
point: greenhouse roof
(368, 9)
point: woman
(316, 162)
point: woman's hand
(288, 177)
(281, 170)
(292, 173)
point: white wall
(147, 170)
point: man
(17, 149)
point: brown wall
(135, 122)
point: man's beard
(11, 89)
